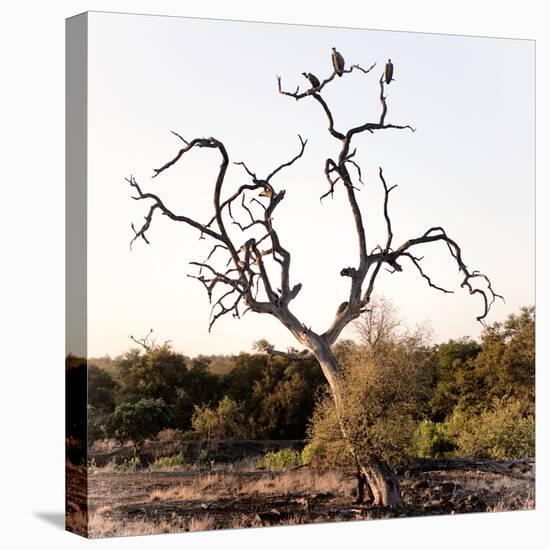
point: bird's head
(333, 49)
(304, 74)
(389, 60)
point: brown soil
(146, 502)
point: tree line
(404, 395)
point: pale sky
(469, 167)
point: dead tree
(249, 268)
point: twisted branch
(246, 270)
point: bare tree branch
(303, 356)
(247, 270)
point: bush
(502, 432)
(226, 421)
(432, 439)
(384, 393)
(130, 465)
(166, 462)
(313, 454)
(138, 421)
(281, 460)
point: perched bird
(338, 62)
(342, 307)
(388, 72)
(315, 83)
(267, 192)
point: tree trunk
(374, 476)
(383, 483)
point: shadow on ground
(57, 519)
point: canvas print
(300, 274)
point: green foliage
(283, 399)
(281, 460)
(156, 374)
(168, 462)
(137, 421)
(225, 421)
(324, 437)
(401, 395)
(204, 455)
(161, 373)
(507, 360)
(248, 369)
(502, 432)
(385, 391)
(452, 359)
(432, 439)
(102, 390)
(277, 396)
(96, 424)
(313, 454)
(130, 465)
(470, 376)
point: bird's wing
(389, 72)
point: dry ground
(146, 502)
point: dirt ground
(146, 502)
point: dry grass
(517, 501)
(105, 446)
(101, 525)
(294, 482)
(107, 468)
(169, 435)
(297, 482)
(201, 523)
(146, 502)
(77, 522)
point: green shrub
(224, 421)
(137, 421)
(166, 462)
(130, 465)
(313, 453)
(432, 439)
(281, 460)
(204, 455)
(502, 432)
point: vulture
(315, 83)
(388, 72)
(338, 62)
(267, 192)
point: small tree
(246, 274)
(225, 421)
(385, 391)
(503, 431)
(138, 421)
